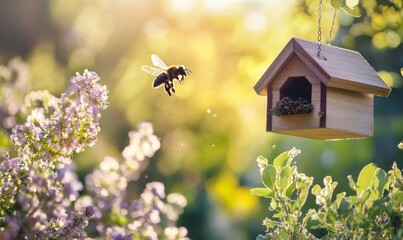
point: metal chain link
(331, 28)
(319, 27)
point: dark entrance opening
(297, 87)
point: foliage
(373, 212)
(39, 189)
(352, 9)
(287, 106)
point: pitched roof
(336, 67)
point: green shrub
(373, 212)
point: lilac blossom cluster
(152, 215)
(38, 186)
(39, 189)
(62, 126)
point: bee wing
(152, 70)
(158, 62)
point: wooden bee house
(339, 83)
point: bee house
(337, 91)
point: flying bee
(165, 75)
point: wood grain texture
(349, 111)
(295, 122)
(342, 65)
(348, 116)
(295, 68)
(322, 134)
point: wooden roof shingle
(336, 67)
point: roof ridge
(341, 68)
(309, 60)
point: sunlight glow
(218, 6)
(181, 6)
(391, 79)
(352, 3)
(256, 21)
(156, 28)
(393, 39)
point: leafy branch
(350, 8)
(373, 212)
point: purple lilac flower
(13, 226)
(143, 143)
(106, 181)
(72, 186)
(118, 233)
(38, 184)
(150, 216)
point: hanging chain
(319, 27)
(331, 28)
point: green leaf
(331, 216)
(286, 178)
(312, 223)
(366, 194)
(397, 196)
(274, 223)
(273, 206)
(303, 193)
(389, 207)
(337, 3)
(293, 205)
(261, 192)
(380, 182)
(366, 177)
(279, 215)
(269, 176)
(290, 189)
(284, 235)
(351, 183)
(355, 11)
(376, 208)
(339, 197)
(315, 189)
(281, 161)
(344, 207)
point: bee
(165, 75)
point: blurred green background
(213, 131)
